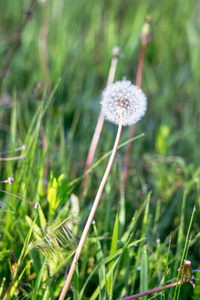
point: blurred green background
(80, 39)
(71, 42)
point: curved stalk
(151, 291)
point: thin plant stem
(23, 147)
(132, 130)
(100, 122)
(152, 291)
(12, 158)
(145, 38)
(44, 65)
(91, 216)
(11, 194)
(140, 65)
(9, 180)
(8, 290)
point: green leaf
(52, 196)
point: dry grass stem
(151, 291)
(145, 37)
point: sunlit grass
(127, 249)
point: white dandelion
(123, 103)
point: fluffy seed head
(123, 102)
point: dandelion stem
(99, 126)
(127, 155)
(91, 216)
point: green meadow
(55, 57)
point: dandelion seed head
(123, 102)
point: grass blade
(112, 250)
(144, 272)
(38, 281)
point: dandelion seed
(123, 103)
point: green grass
(126, 250)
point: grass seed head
(123, 102)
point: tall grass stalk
(145, 37)
(43, 49)
(100, 122)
